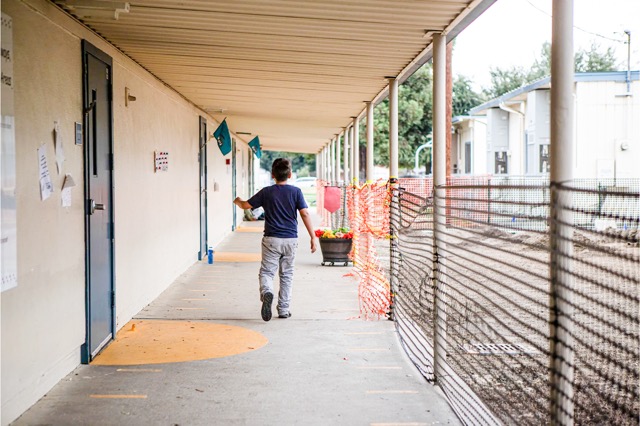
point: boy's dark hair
(281, 169)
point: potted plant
(335, 245)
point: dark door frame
(234, 181)
(89, 49)
(202, 168)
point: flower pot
(335, 250)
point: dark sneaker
(267, 299)
(287, 315)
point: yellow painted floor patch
(157, 342)
(119, 396)
(250, 229)
(237, 257)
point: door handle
(93, 206)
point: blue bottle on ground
(210, 256)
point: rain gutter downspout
(503, 106)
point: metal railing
(483, 293)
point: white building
(607, 136)
(469, 145)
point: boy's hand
(242, 204)
(313, 245)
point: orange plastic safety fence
(368, 208)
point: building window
(467, 158)
(501, 163)
(545, 166)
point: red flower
(340, 233)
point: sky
(511, 33)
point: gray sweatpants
(278, 252)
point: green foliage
(506, 80)
(415, 112)
(589, 60)
(415, 116)
(302, 164)
(464, 97)
(593, 60)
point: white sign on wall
(8, 247)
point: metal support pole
(393, 187)
(393, 128)
(355, 173)
(370, 164)
(325, 162)
(439, 161)
(355, 150)
(333, 161)
(325, 150)
(347, 177)
(561, 219)
(628, 33)
(339, 177)
(328, 166)
(347, 169)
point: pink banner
(332, 198)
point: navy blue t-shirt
(281, 204)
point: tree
(505, 80)
(586, 60)
(464, 97)
(589, 60)
(415, 115)
(301, 164)
(593, 60)
(414, 119)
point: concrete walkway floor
(322, 366)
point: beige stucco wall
(220, 207)
(156, 214)
(43, 318)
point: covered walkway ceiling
(290, 71)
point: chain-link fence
(512, 282)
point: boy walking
(281, 203)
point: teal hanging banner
(223, 137)
(255, 146)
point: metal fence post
(489, 201)
(439, 202)
(561, 230)
(393, 187)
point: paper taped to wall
(46, 186)
(66, 190)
